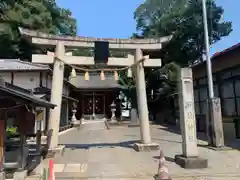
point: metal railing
(68, 126)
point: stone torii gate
(61, 43)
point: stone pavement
(107, 154)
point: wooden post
(23, 151)
(2, 135)
(22, 130)
(39, 119)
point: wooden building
(18, 110)
(226, 77)
(37, 78)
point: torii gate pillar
(146, 143)
(56, 95)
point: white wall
(31, 80)
(6, 76)
(44, 79)
(49, 82)
(27, 80)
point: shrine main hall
(95, 96)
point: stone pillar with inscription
(189, 159)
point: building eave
(17, 65)
(219, 55)
(27, 97)
(224, 52)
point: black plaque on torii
(101, 52)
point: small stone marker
(189, 159)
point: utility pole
(207, 49)
(213, 110)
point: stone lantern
(113, 110)
(74, 120)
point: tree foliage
(128, 87)
(43, 15)
(164, 80)
(183, 20)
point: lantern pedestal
(74, 121)
(113, 110)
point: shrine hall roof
(95, 82)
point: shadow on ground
(201, 136)
(124, 144)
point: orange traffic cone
(162, 173)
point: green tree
(164, 83)
(164, 80)
(183, 20)
(42, 15)
(128, 87)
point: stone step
(90, 125)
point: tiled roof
(18, 88)
(18, 65)
(217, 54)
(94, 82)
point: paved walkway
(106, 154)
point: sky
(114, 19)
